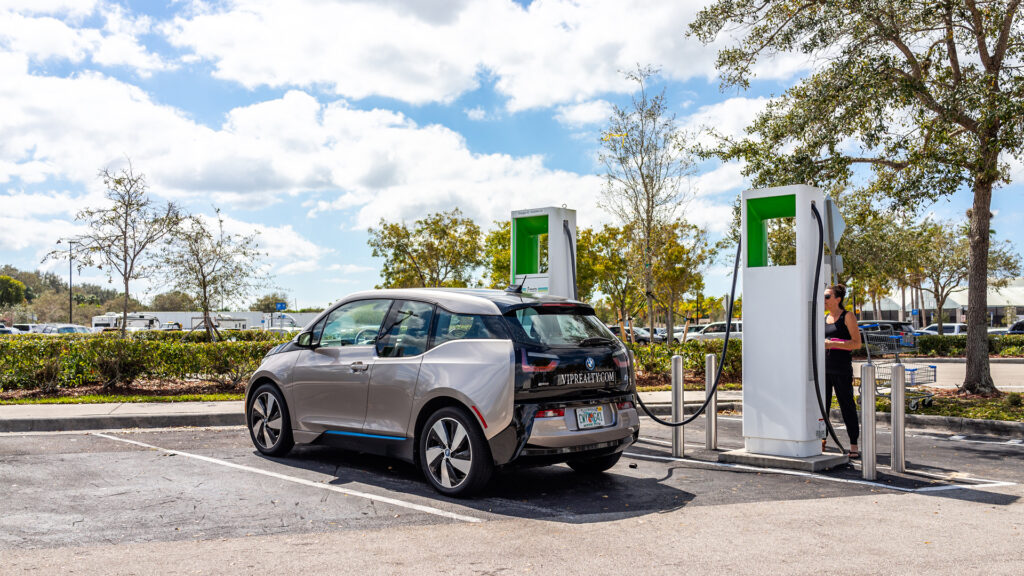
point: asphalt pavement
(201, 500)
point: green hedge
(48, 362)
(657, 358)
(956, 345)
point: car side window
(450, 326)
(406, 331)
(354, 324)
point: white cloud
(728, 117)
(548, 53)
(724, 178)
(476, 113)
(584, 113)
(43, 38)
(370, 163)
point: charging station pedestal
(556, 229)
(782, 424)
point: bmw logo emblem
(590, 363)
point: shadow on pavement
(547, 492)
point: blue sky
(310, 120)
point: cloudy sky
(311, 120)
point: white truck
(136, 321)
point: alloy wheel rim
(265, 420)
(449, 455)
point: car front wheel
(269, 425)
(454, 455)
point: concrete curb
(930, 360)
(82, 423)
(952, 425)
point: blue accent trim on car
(361, 435)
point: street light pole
(70, 298)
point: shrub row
(657, 358)
(80, 360)
(1005, 345)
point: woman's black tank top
(838, 361)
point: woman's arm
(854, 342)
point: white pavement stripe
(304, 482)
(817, 476)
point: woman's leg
(844, 394)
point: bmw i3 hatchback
(458, 382)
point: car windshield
(558, 326)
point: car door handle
(359, 367)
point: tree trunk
(979, 378)
(124, 311)
(903, 303)
(670, 319)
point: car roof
(466, 300)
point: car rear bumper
(557, 439)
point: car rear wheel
(454, 455)
(269, 425)
(595, 465)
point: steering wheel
(359, 339)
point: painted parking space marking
(302, 481)
(990, 484)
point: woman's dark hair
(838, 291)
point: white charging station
(781, 416)
(551, 228)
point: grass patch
(118, 398)
(977, 408)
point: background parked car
(717, 330)
(640, 335)
(6, 330)
(1017, 328)
(932, 329)
(26, 328)
(65, 329)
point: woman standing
(841, 338)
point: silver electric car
(459, 382)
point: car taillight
(555, 413)
(627, 405)
(536, 362)
(621, 359)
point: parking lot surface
(202, 500)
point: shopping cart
(882, 342)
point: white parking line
(992, 484)
(304, 482)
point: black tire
(455, 462)
(595, 465)
(266, 416)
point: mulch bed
(138, 388)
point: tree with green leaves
(441, 250)
(678, 269)
(120, 236)
(498, 255)
(928, 96)
(612, 247)
(212, 266)
(12, 292)
(646, 163)
(268, 302)
(946, 263)
(175, 300)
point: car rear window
(556, 325)
(450, 326)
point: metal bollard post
(711, 414)
(868, 453)
(898, 418)
(678, 435)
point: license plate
(590, 417)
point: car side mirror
(305, 340)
